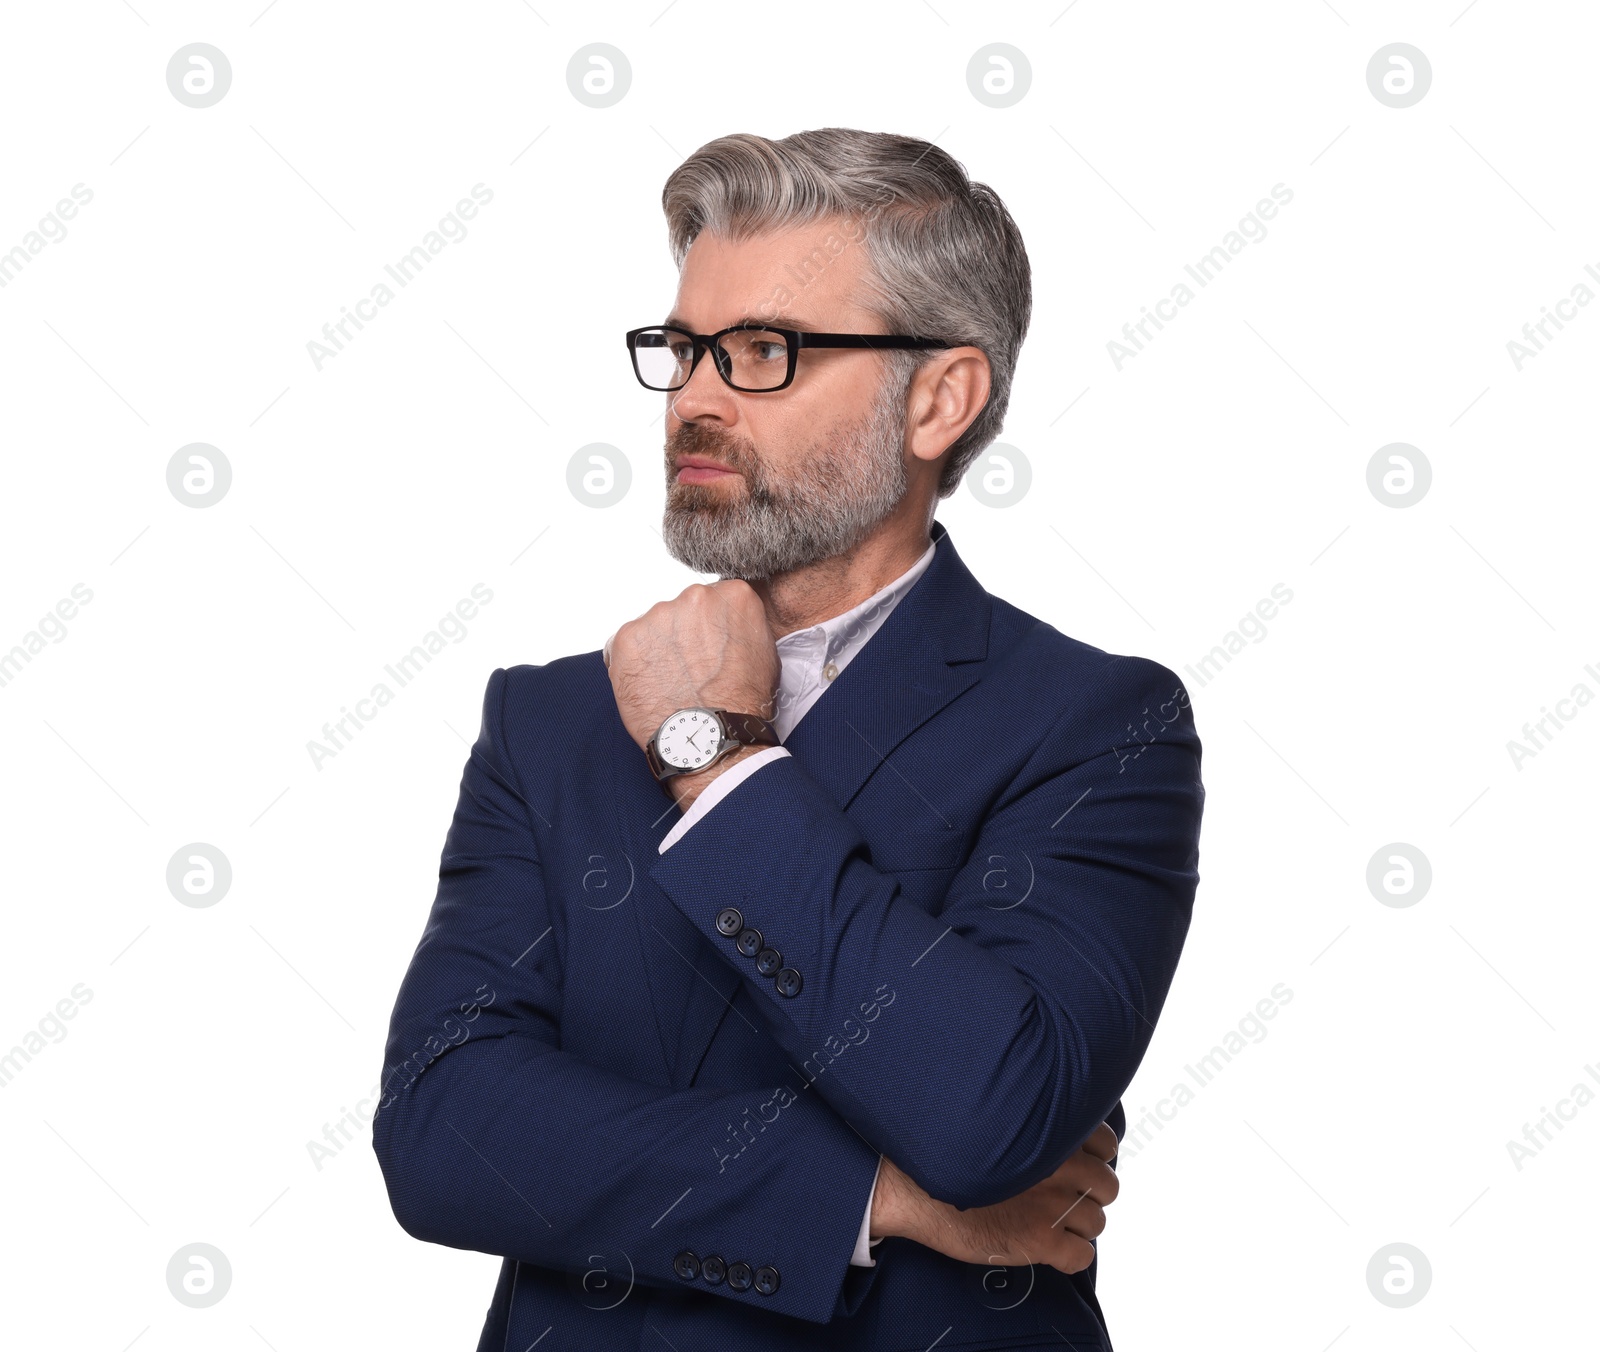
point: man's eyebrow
(674, 321)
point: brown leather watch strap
(748, 729)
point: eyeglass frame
(794, 340)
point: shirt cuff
(716, 791)
(862, 1257)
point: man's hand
(710, 646)
(1051, 1223)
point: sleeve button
(789, 982)
(766, 1280)
(749, 941)
(768, 960)
(687, 1265)
(739, 1276)
(713, 1269)
(729, 921)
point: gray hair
(944, 257)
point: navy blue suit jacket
(980, 859)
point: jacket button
(766, 1280)
(749, 941)
(739, 1276)
(713, 1269)
(789, 982)
(687, 1265)
(729, 921)
(768, 960)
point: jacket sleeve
(491, 1137)
(1018, 1011)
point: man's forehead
(801, 277)
(784, 319)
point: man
(790, 954)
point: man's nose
(705, 392)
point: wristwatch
(693, 738)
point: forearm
(1013, 1029)
(939, 1051)
(491, 1137)
(508, 1146)
(901, 1208)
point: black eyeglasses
(750, 357)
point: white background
(431, 454)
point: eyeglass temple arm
(805, 338)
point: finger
(1087, 1173)
(1102, 1142)
(1073, 1255)
(1085, 1217)
(1084, 1173)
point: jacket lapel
(928, 651)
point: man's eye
(769, 351)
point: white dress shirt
(811, 660)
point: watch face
(689, 738)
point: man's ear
(945, 397)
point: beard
(824, 503)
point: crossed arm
(1020, 1024)
(1054, 1222)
